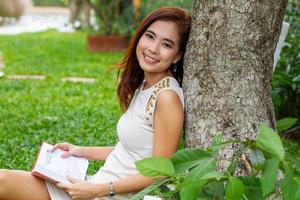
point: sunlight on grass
(33, 111)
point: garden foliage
(286, 78)
(192, 173)
(119, 16)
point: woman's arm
(81, 190)
(96, 153)
(168, 124)
(90, 153)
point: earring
(174, 68)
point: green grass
(53, 54)
(32, 111)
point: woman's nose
(153, 48)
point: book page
(51, 161)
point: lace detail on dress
(150, 108)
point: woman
(150, 94)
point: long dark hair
(131, 73)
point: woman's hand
(80, 190)
(70, 149)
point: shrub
(286, 78)
(192, 174)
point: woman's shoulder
(168, 91)
(168, 97)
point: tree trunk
(228, 70)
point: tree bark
(228, 70)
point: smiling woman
(158, 49)
(150, 94)
(174, 35)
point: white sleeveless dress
(135, 133)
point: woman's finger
(63, 146)
(67, 154)
(63, 186)
(73, 180)
(54, 148)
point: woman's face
(158, 47)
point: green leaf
(212, 175)
(149, 189)
(257, 159)
(188, 158)
(269, 176)
(287, 182)
(293, 160)
(217, 140)
(191, 191)
(197, 173)
(252, 187)
(217, 143)
(285, 124)
(213, 190)
(269, 141)
(296, 188)
(276, 100)
(155, 167)
(235, 189)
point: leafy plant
(119, 17)
(196, 175)
(113, 17)
(286, 78)
(149, 5)
(285, 124)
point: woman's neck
(152, 79)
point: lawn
(32, 111)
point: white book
(52, 167)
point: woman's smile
(149, 59)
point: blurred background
(103, 16)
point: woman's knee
(15, 184)
(4, 177)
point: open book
(51, 167)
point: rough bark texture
(228, 70)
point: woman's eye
(167, 45)
(149, 36)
